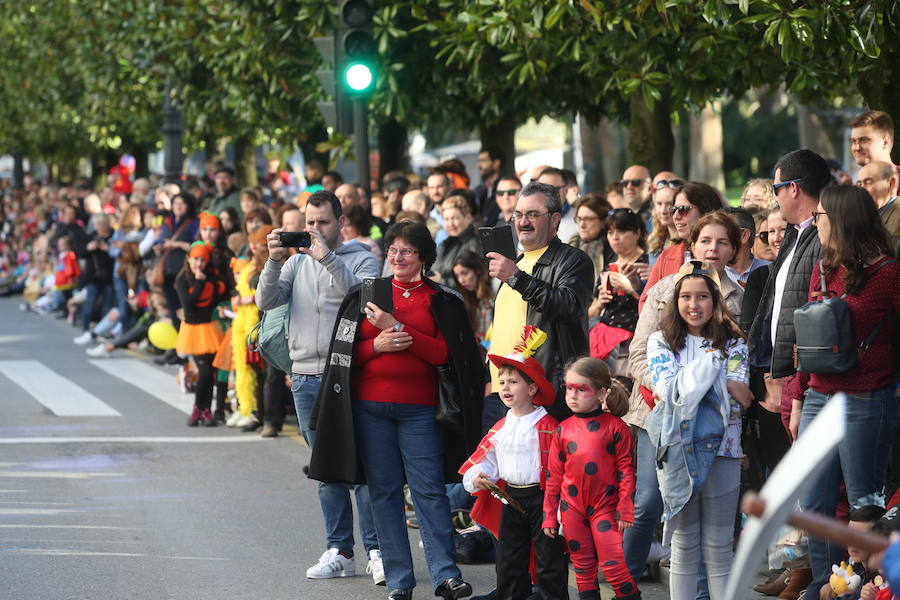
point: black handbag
(449, 409)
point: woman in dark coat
(375, 420)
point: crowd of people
(633, 361)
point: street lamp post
(173, 157)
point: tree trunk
(245, 161)
(650, 139)
(706, 146)
(879, 86)
(501, 136)
(393, 146)
(813, 133)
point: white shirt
(781, 278)
(514, 456)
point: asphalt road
(106, 494)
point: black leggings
(205, 376)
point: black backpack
(824, 332)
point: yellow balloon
(163, 335)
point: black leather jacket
(558, 293)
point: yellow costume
(245, 317)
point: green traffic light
(359, 77)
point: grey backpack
(824, 332)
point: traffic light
(349, 57)
(357, 46)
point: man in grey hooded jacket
(315, 282)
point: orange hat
(259, 236)
(202, 250)
(207, 219)
(532, 338)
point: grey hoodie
(315, 291)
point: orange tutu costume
(202, 338)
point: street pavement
(105, 493)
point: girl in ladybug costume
(591, 481)
(514, 455)
(200, 289)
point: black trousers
(205, 376)
(517, 532)
(273, 396)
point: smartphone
(295, 239)
(498, 239)
(378, 291)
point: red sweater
(879, 296)
(407, 377)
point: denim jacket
(687, 429)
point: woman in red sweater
(857, 261)
(383, 370)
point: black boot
(589, 595)
(453, 589)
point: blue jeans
(334, 498)
(397, 439)
(861, 462)
(648, 507)
(121, 289)
(105, 292)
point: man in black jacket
(548, 286)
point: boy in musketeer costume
(513, 457)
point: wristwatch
(398, 327)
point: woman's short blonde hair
(459, 203)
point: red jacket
(67, 272)
(486, 511)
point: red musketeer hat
(522, 360)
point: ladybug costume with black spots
(591, 483)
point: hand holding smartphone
(295, 239)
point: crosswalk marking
(149, 379)
(212, 439)
(61, 396)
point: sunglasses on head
(669, 183)
(631, 182)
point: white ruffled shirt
(514, 455)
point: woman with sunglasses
(692, 201)
(857, 264)
(590, 217)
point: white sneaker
(98, 352)
(233, 419)
(332, 564)
(375, 568)
(83, 339)
(244, 421)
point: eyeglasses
(682, 210)
(578, 388)
(632, 182)
(510, 192)
(404, 252)
(586, 219)
(669, 183)
(815, 216)
(778, 186)
(763, 236)
(616, 211)
(531, 215)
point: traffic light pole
(361, 142)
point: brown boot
(796, 583)
(268, 431)
(775, 585)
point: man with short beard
(227, 193)
(490, 166)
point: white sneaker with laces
(98, 352)
(84, 339)
(332, 564)
(233, 419)
(375, 568)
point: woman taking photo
(474, 283)
(379, 398)
(692, 201)
(460, 237)
(857, 261)
(590, 216)
(616, 299)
